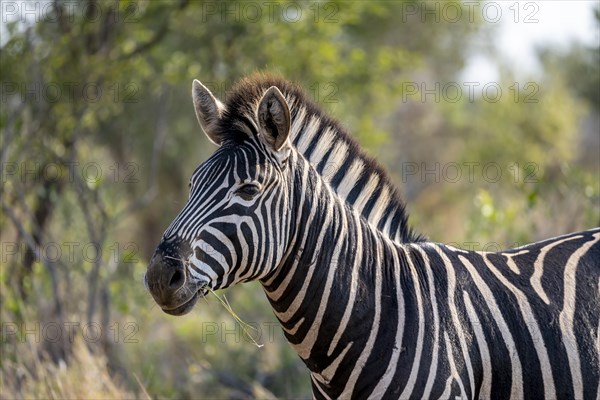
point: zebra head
(225, 233)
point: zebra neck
(319, 293)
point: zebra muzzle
(168, 284)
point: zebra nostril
(177, 280)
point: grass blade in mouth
(245, 326)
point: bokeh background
(486, 114)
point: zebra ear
(209, 111)
(274, 118)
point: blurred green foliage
(99, 140)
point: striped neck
(319, 290)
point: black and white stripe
(372, 314)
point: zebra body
(372, 313)
(483, 325)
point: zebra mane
(356, 177)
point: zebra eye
(247, 191)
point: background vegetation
(99, 140)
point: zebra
(373, 309)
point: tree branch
(156, 38)
(34, 248)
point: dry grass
(86, 376)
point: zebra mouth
(187, 305)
